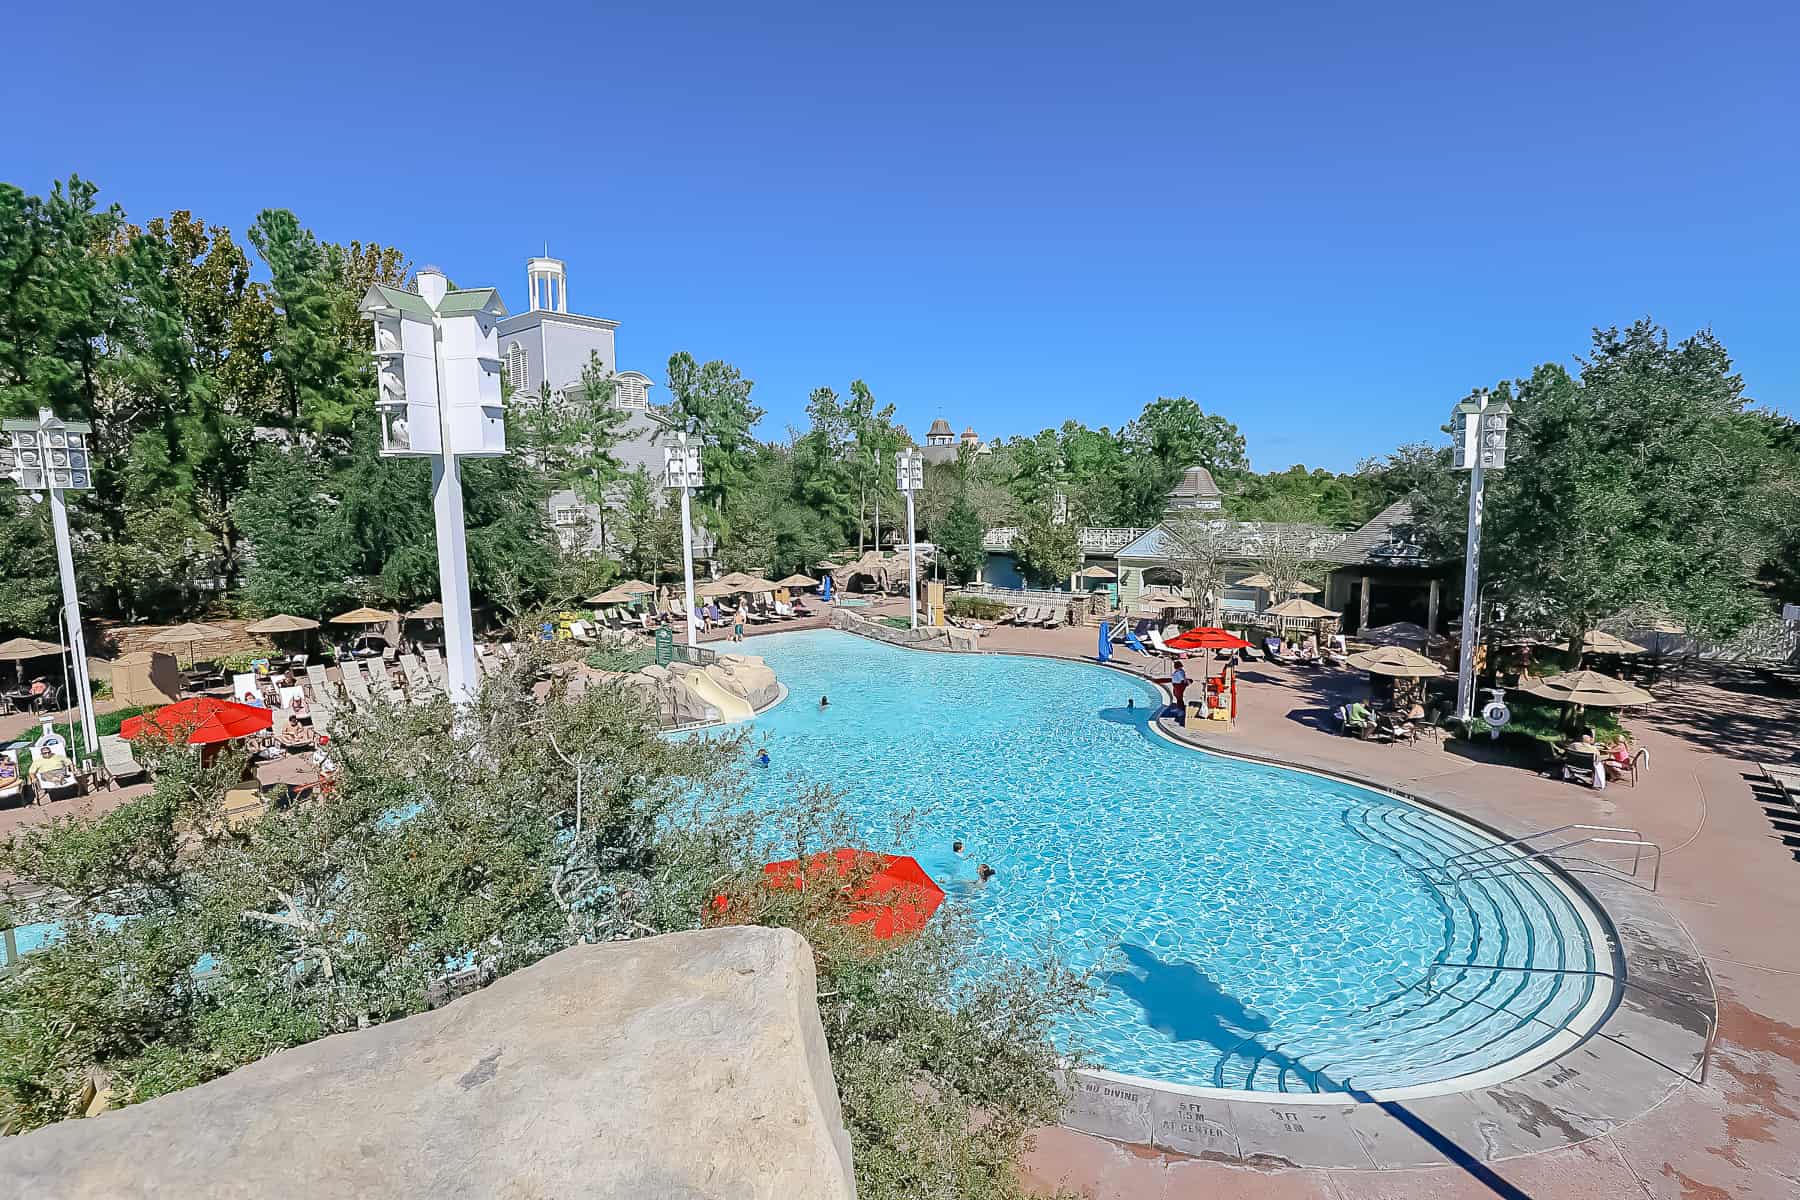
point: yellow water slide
(732, 707)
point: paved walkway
(1730, 879)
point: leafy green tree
(649, 529)
(1630, 485)
(1048, 550)
(710, 402)
(303, 560)
(29, 591)
(321, 375)
(571, 437)
(960, 542)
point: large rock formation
(748, 676)
(675, 1068)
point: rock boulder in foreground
(680, 1067)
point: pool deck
(1613, 1118)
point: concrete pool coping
(1644, 1049)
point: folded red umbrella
(1207, 637)
(201, 721)
(894, 895)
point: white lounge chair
(381, 684)
(434, 664)
(356, 684)
(121, 763)
(419, 684)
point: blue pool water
(1258, 928)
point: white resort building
(547, 345)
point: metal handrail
(1469, 870)
(1711, 1018)
(1476, 850)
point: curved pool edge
(1640, 1051)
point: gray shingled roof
(1383, 540)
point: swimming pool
(1259, 928)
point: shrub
(622, 659)
(978, 608)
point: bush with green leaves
(978, 608)
(533, 823)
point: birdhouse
(437, 368)
(682, 464)
(909, 471)
(48, 453)
(1494, 419)
(406, 383)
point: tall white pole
(912, 554)
(453, 578)
(687, 566)
(1471, 619)
(65, 563)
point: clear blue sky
(1325, 222)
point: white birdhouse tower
(437, 360)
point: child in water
(762, 758)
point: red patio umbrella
(201, 721)
(1207, 637)
(895, 897)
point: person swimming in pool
(824, 702)
(762, 758)
(983, 873)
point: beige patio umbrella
(1396, 662)
(1258, 580)
(737, 581)
(1304, 588)
(1298, 607)
(1589, 689)
(1157, 593)
(190, 634)
(1597, 641)
(614, 595)
(365, 616)
(19, 649)
(1099, 573)
(281, 623)
(797, 580)
(427, 612)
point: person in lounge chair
(1585, 750)
(1357, 717)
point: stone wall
(925, 637)
(686, 1066)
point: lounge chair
(1055, 619)
(356, 684)
(1272, 648)
(382, 684)
(121, 764)
(434, 664)
(243, 684)
(1157, 646)
(1575, 765)
(1037, 618)
(419, 685)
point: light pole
(682, 472)
(437, 363)
(48, 455)
(909, 477)
(1479, 427)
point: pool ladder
(1464, 866)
